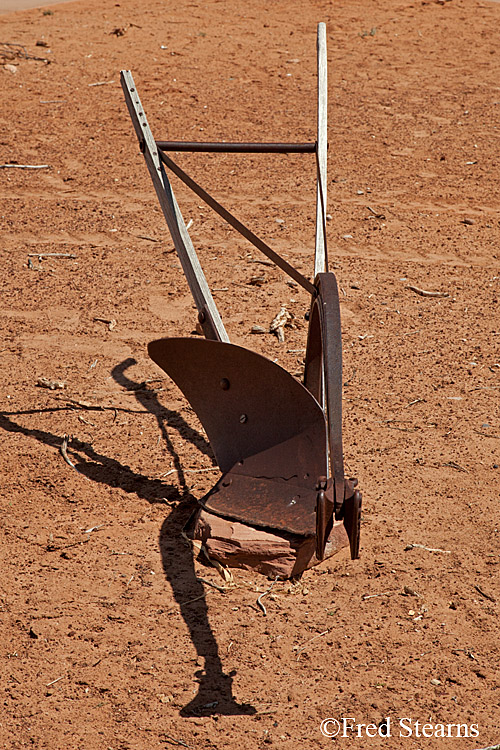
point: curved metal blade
(261, 423)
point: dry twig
(454, 465)
(425, 293)
(428, 549)
(382, 593)
(265, 593)
(172, 739)
(48, 684)
(13, 50)
(73, 404)
(376, 213)
(222, 589)
(51, 255)
(147, 237)
(24, 166)
(416, 401)
(306, 644)
(191, 471)
(486, 434)
(486, 596)
(110, 323)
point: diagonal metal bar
(320, 257)
(202, 296)
(236, 224)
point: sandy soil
(109, 637)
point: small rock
(408, 591)
(52, 385)
(10, 68)
(435, 682)
(347, 237)
(164, 698)
(360, 192)
(257, 329)
(468, 222)
(258, 280)
(328, 217)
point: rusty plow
(277, 441)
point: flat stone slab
(238, 545)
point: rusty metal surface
(352, 521)
(269, 503)
(247, 404)
(323, 369)
(262, 425)
(277, 442)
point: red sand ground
(109, 638)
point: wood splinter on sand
(425, 293)
(24, 166)
(63, 450)
(282, 319)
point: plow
(277, 441)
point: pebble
(257, 329)
(52, 385)
(10, 68)
(468, 222)
(435, 682)
(409, 591)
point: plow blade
(268, 433)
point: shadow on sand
(214, 686)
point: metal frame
(335, 498)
